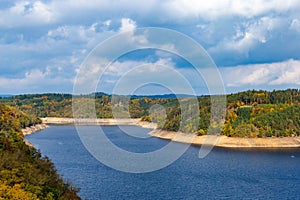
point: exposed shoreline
(102, 122)
(229, 142)
(219, 141)
(35, 128)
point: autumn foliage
(24, 173)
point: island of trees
(248, 114)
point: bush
(246, 130)
(201, 132)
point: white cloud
(95, 72)
(215, 8)
(80, 33)
(34, 80)
(127, 25)
(60, 34)
(118, 68)
(35, 75)
(161, 73)
(250, 34)
(31, 13)
(272, 74)
(25, 13)
(62, 31)
(290, 74)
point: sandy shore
(232, 142)
(103, 122)
(219, 141)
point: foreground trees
(24, 173)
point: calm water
(223, 174)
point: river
(223, 174)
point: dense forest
(248, 114)
(263, 114)
(24, 173)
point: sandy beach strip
(219, 141)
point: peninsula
(253, 118)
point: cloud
(250, 34)
(89, 35)
(273, 74)
(58, 35)
(290, 74)
(34, 81)
(127, 25)
(64, 46)
(122, 69)
(119, 68)
(32, 13)
(217, 9)
(24, 14)
(160, 74)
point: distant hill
(5, 95)
(97, 95)
(157, 96)
(167, 96)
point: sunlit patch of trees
(263, 114)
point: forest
(250, 113)
(24, 173)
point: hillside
(24, 173)
(249, 114)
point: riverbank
(229, 142)
(35, 128)
(32, 129)
(102, 122)
(219, 141)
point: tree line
(250, 113)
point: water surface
(223, 174)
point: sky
(255, 44)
